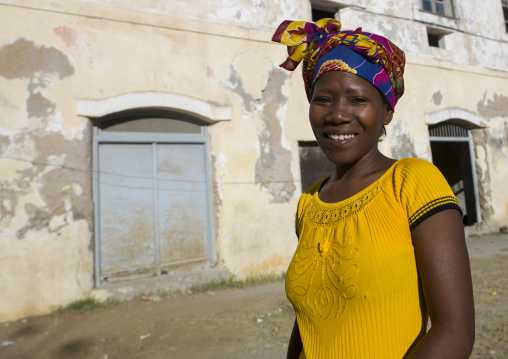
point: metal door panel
(182, 202)
(126, 207)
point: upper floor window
(438, 7)
(326, 9)
(504, 3)
(318, 14)
(320, 11)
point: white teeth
(340, 137)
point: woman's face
(346, 114)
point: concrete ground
(172, 283)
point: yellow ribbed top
(353, 279)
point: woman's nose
(339, 113)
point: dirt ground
(249, 323)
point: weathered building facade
(137, 137)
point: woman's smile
(340, 138)
(346, 114)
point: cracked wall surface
(23, 59)
(45, 188)
(483, 173)
(273, 167)
(402, 143)
(497, 106)
(260, 174)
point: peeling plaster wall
(483, 170)
(494, 157)
(470, 74)
(256, 166)
(445, 87)
(46, 148)
(273, 165)
(219, 52)
(45, 188)
(395, 20)
(497, 106)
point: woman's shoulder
(411, 162)
(409, 167)
(412, 175)
(315, 187)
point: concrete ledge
(466, 118)
(172, 282)
(205, 111)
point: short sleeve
(422, 190)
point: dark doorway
(451, 153)
(313, 164)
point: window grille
(504, 4)
(150, 121)
(448, 129)
(438, 7)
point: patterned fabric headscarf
(324, 47)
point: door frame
(470, 121)
(206, 112)
(469, 140)
(103, 137)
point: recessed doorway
(314, 165)
(152, 195)
(452, 154)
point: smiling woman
(381, 243)
(347, 114)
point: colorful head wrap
(324, 47)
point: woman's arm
(295, 343)
(443, 264)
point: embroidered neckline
(322, 213)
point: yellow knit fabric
(353, 279)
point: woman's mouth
(340, 137)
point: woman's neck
(350, 179)
(366, 167)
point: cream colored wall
(220, 54)
(470, 73)
(432, 86)
(47, 223)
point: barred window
(438, 7)
(504, 4)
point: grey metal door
(126, 208)
(181, 202)
(153, 207)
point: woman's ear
(388, 115)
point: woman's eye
(320, 99)
(358, 100)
